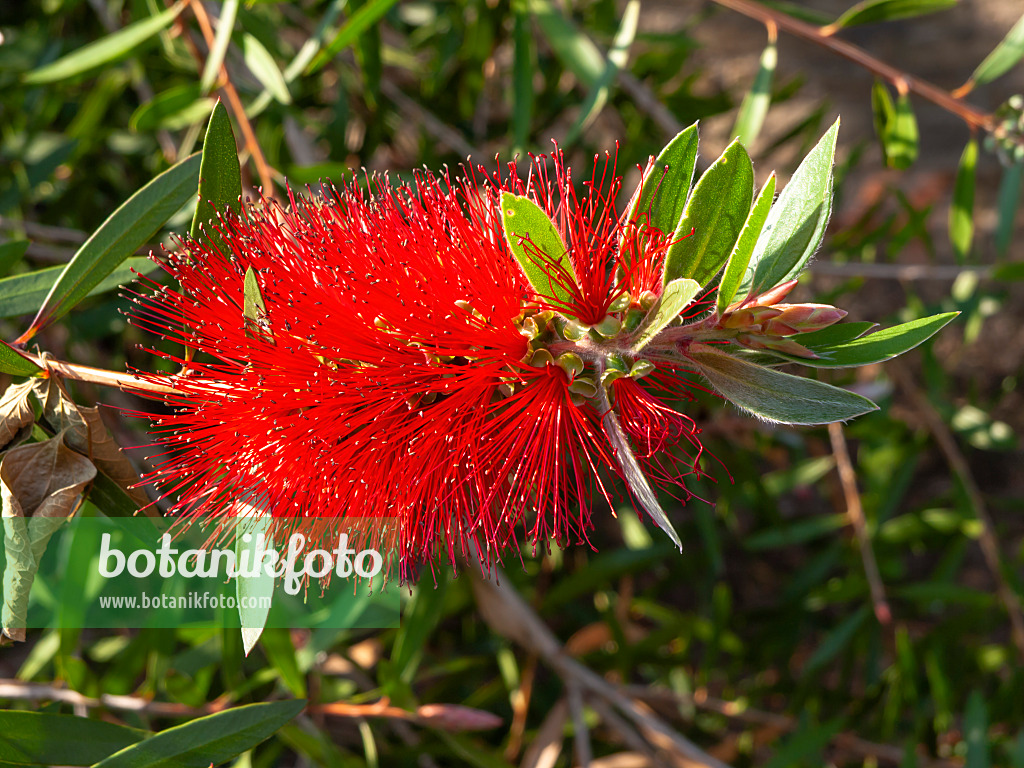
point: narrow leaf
(873, 11)
(253, 592)
(739, 259)
(901, 136)
(1003, 57)
(636, 481)
(880, 346)
(220, 178)
(208, 740)
(175, 108)
(359, 22)
(796, 223)
(883, 114)
(1008, 201)
(976, 732)
(127, 229)
(265, 69)
(777, 396)
(835, 334)
(12, 362)
(104, 51)
(254, 308)
(666, 185)
(676, 297)
(44, 738)
(574, 49)
(215, 58)
(755, 104)
(961, 213)
(23, 294)
(618, 55)
(537, 246)
(715, 213)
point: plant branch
(903, 82)
(126, 382)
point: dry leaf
(15, 412)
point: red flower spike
(390, 374)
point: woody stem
(76, 372)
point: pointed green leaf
(13, 363)
(537, 246)
(755, 104)
(254, 308)
(175, 108)
(901, 138)
(220, 178)
(665, 188)
(128, 228)
(114, 46)
(208, 740)
(739, 259)
(873, 11)
(877, 347)
(835, 334)
(253, 593)
(44, 738)
(265, 69)
(676, 297)
(796, 223)
(1003, 57)
(715, 213)
(961, 213)
(777, 396)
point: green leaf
(357, 23)
(277, 645)
(665, 188)
(1007, 202)
(873, 11)
(883, 114)
(676, 297)
(42, 738)
(254, 308)
(877, 347)
(265, 69)
(777, 396)
(836, 640)
(175, 108)
(125, 231)
(114, 46)
(251, 591)
(1003, 57)
(715, 212)
(835, 334)
(755, 104)
(574, 49)
(739, 259)
(976, 731)
(618, 55)
(23, 294)
(901, 137)
(11, 254)
(219, 49)
(537, 246)
(207, 740)
(961, 213)
(796, 223)
(13, 363)
(220, 178)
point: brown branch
(237, 108)
(126, 382)
(958, 463)
(855, 512)
(903, 82)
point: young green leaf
(883, 114)
(1003, 57)
(127, 229)
(537, 246)
(715, 213)
(45, 738)
(901, 138)
(254, 308)
(357, 23)
(666, 186)
(777, 396)
(873, 11)
(254, 593)
(13, 363)
(755, 104)
(265, 69)
(676, 297)
(208, 740)
(114, 46)
(961, 213)
(736, 267)
(796, 223)
(220, 178)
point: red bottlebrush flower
(403, 365)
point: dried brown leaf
(15, 412)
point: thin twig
(855, 512)
(903, 82)
(958, 463)
(237, 108)
(124, 381)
